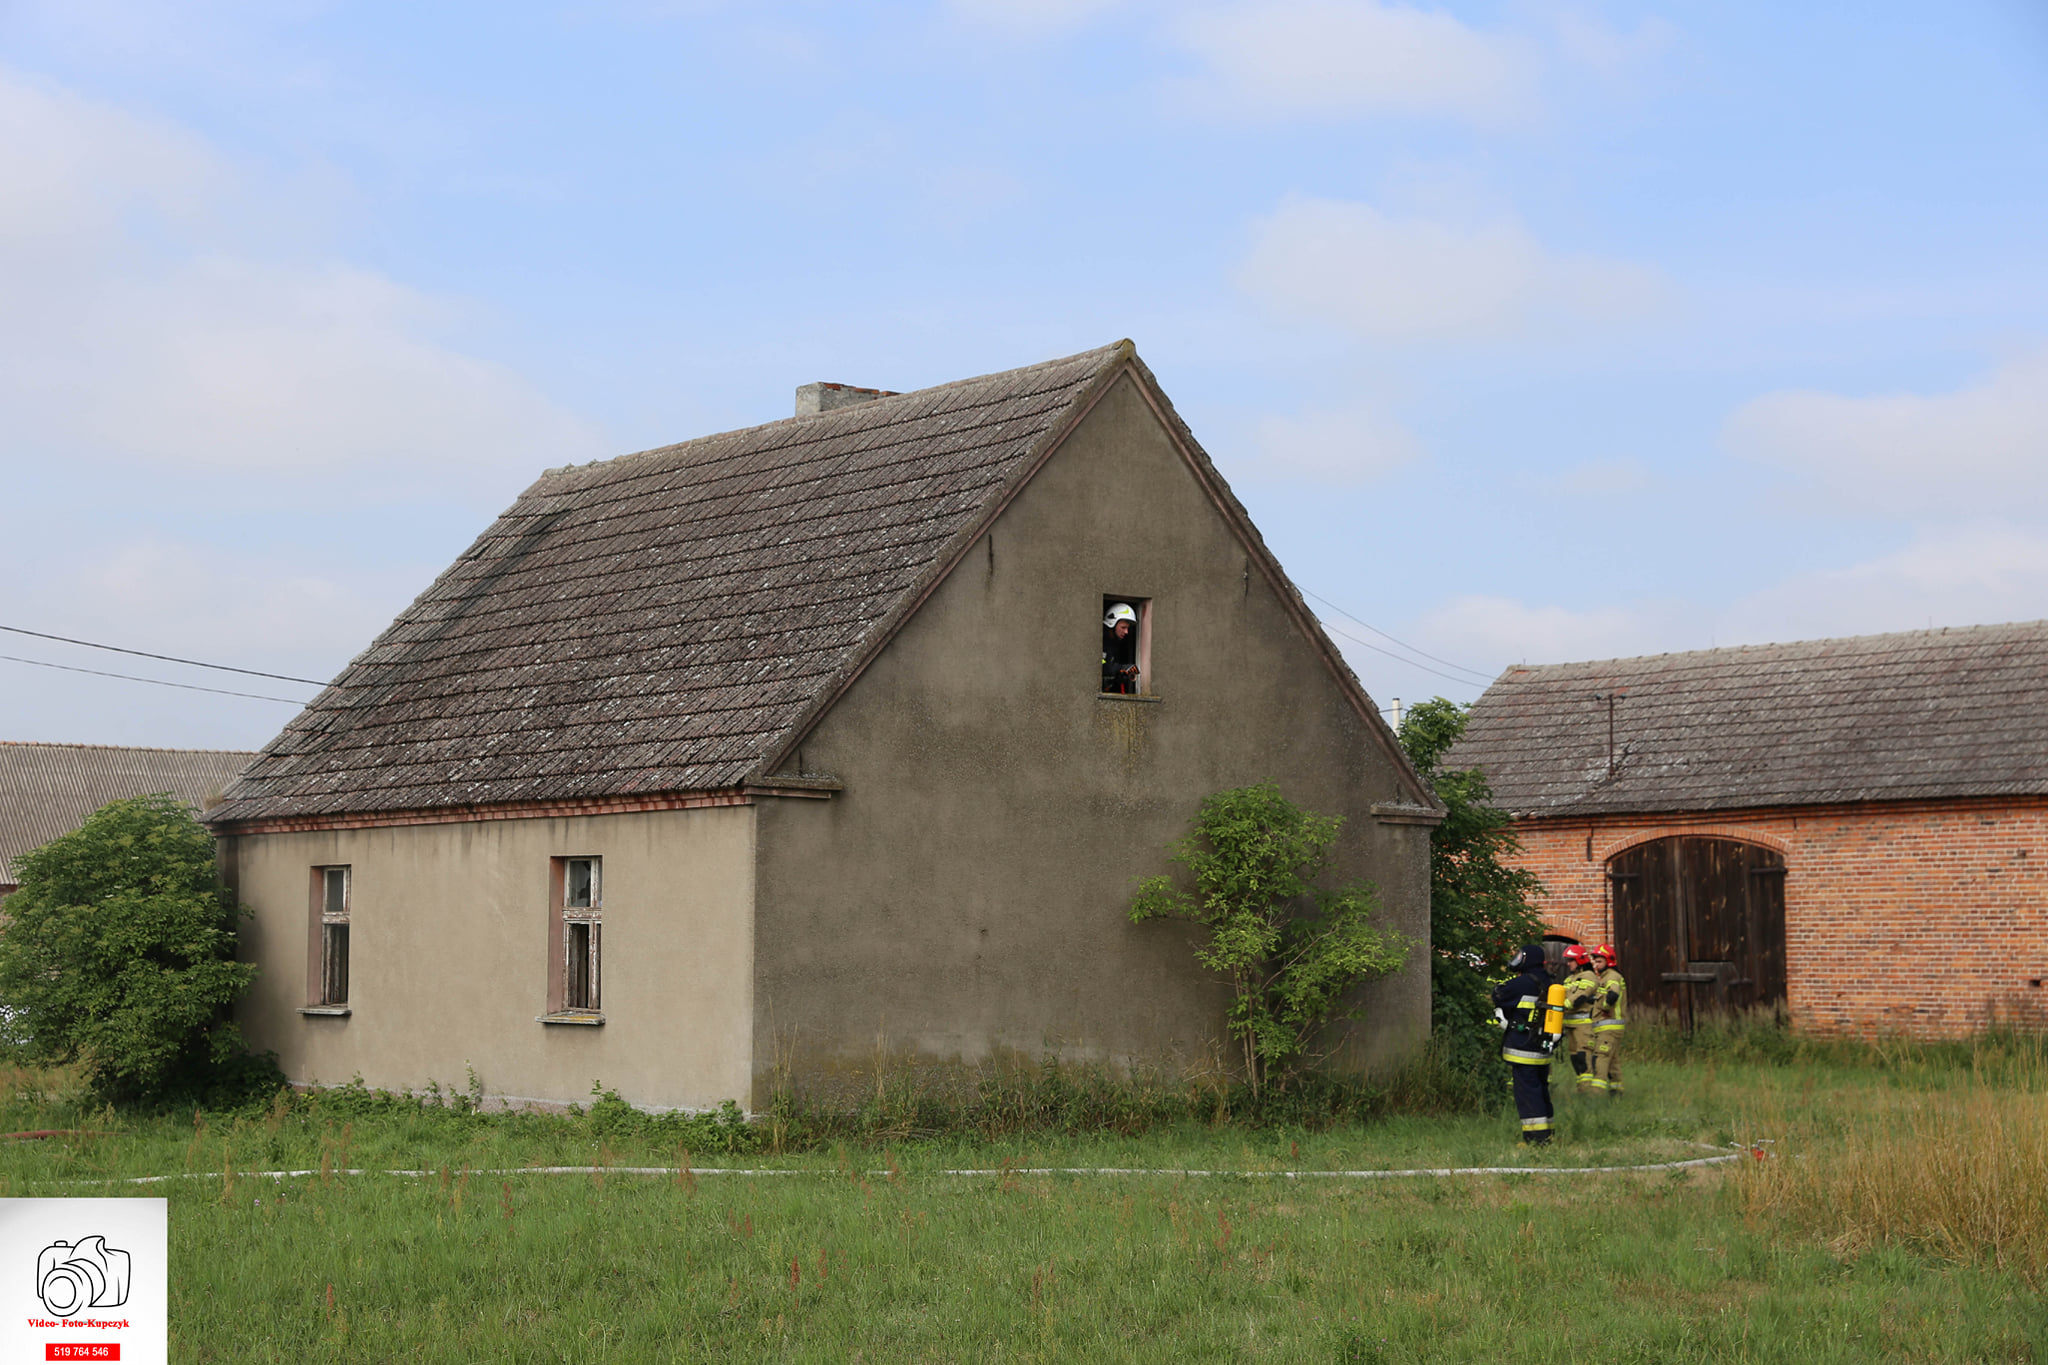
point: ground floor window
(331, 901)
(579, 935)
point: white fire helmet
(1120, 612)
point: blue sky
(1527, 331)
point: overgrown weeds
(1060, 1099)
(1762, 1037)
(1958, 1174)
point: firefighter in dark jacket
(1531, 1005)
(1120, 649)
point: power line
(130, 677)
(167, 658)
(1367, 644)
(1403, 643)
(1477, 675)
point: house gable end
(1415, 800)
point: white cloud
(1387, 279)
(1960, 575)
(135, 325)
(278, 615)
(1501, 630)
(1960, 453)
(272, 612)
(1342, 57)
(1033, 14)
(1586, 41)
(75, 170)
(1953, 576)
(1349, 445)
(1601, 478)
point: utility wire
(167, 658)
(1397, 658)
(1482, 677)
(130, 677)
(1476, 675)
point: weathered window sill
(1126, 696)
(325, 1011)
(588, 1018)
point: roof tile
(1912, 716)
(666, 617)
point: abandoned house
(1805, 825)
(783, 753)
(48, 789)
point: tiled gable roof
(661, 622)
(48, 789)
(1924, 714)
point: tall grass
(1958, 1172)
(853, 1253)
(1062, 1099)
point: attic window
(1126, 645)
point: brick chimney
(812, 399)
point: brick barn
(1853, 830)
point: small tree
(1290, 951)
(119, 949)
(1480, 906)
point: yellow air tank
(1553, 1014)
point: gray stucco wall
(965, 896)
(449, 932)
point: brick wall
(1899, 916)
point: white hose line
(976, 1171)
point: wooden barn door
(1700, 907)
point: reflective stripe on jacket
(1612, 1001)
(1580, 989)
(1521, 1001)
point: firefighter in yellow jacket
(1610, 1018)
(1581, 986)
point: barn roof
(672, 621)
(1923, 714)
(48, 789)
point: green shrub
(1480, 905)
(119, 951)
(1291, 951)
(724, 1130)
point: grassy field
(1899, 1219)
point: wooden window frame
(575, 940)
(1143, 655)
(327, 971)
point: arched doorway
(1704, 908)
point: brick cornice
(813, 789)
(1741, 816)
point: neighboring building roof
(1919, 715)
(48, 789)
(671, 621)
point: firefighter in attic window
(1120, 649)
